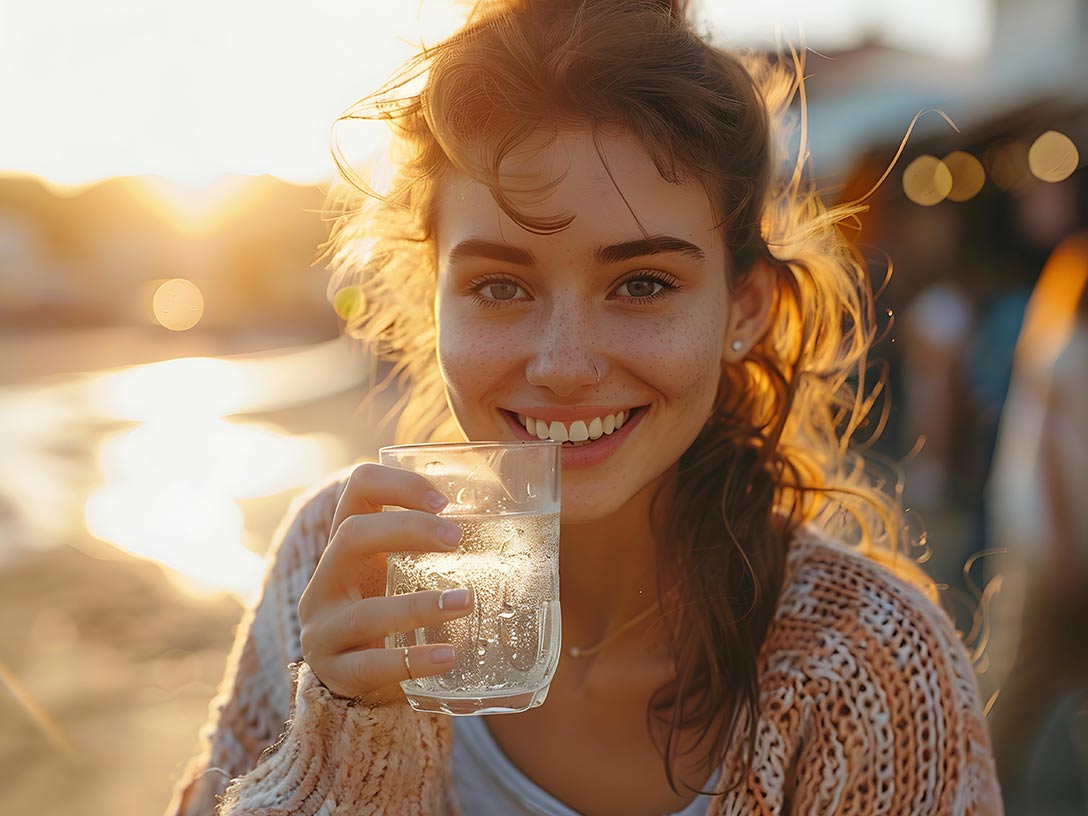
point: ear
(749, 312)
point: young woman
(590, 238)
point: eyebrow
(613, 253)
(656, 245)
(478, 248)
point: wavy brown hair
(776, 452)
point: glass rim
(513, 444)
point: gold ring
(406, 664)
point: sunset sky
(193, 90)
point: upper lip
(570, 414)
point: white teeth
(579, 432)
(558, 432)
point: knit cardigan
(867, 705)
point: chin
(589, 504)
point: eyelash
(669, 284)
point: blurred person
(1038, 514)
(1023, 230)
(937, 323)
(591, 218)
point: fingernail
(453, 600)
(442, 654)
(436, 499)
(449, 534)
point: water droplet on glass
(507, 612)
(432, 467)
(481, 651)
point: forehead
(609, 184)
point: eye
(646, 286)
(640, 288)
(495, 290)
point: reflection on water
(167, 488)
(170, 490)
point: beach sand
(122, 662)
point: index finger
(371, 486)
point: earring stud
(737, 345)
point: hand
(344, 612)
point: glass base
(500, 702)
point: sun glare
(171, 488)
(182, 388)
(196, 90)
(199, 205)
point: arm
(337, 755)
(868, 702)
(345, 757)
(896, 726)
(254, 698)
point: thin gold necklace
(585, 651)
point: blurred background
(171, 373)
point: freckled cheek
(471, 362)
(679, 359)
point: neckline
(497, 763)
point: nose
(563, 357)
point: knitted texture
(868, 705)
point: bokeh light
(968, 175)
(1009, 165)
(348, 302)
(1053, 157)
(927, 181)
(178, 304)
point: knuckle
(363, 474)
(348, 530)
(352, 532)
(362, 667)
(358, 619)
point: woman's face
(604, 330)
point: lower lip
(584, 456)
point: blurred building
(94, 257)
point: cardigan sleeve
(336, 756)
(345, 758)
(868, 703)
(889, 717)
(254, 698)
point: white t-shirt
(487, 783)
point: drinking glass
(505, 497)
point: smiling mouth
(577, 433)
